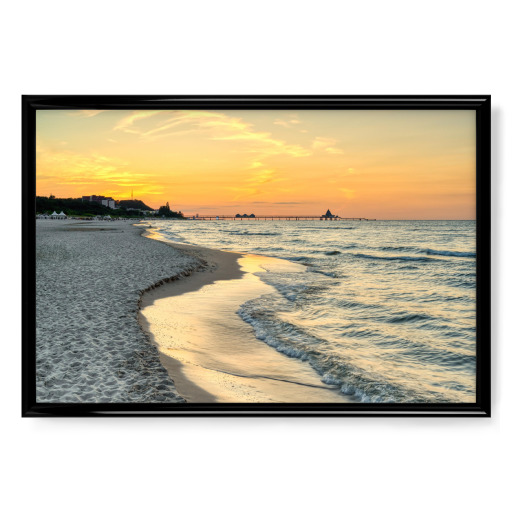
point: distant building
(105, 201)
(329, 215)
(109, 203)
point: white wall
(219, 47)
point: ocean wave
(334, 275)
(456, 254)
(431, 252)
(458, 283)
(397, 258)
(259, 233)
(384, 293)
(353, 304)
(290, 340)
(329, 227)
(410, 317)
(397, 248)
(248, 233)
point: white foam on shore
(89, 345)
(219, 353)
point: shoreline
(94, 283)
(213, 355)
(215, 265)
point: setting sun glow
(387, 164)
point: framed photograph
(260, 255)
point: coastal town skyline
(379, 164)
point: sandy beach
(89, 345)
(124, 318)
(212, 354)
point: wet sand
(210, 352)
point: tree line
(75, 207)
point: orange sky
(377, 164)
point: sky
(383, 164)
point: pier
(275, 217)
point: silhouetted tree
(165, 211)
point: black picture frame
(481, 104)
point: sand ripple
(89, 345)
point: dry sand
(89, 345)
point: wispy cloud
(126, 123)
(213, 126)
(89, 171)
(85, 113)
(265, 176)
(326, 144)
(348, 193)
(288, 123)
(264, 144)
(323, 142)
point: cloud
(126, 123)
(265, 144)
(288, 123)
(323, 142)
(347, 193)
(85, 113)
(92, 170)
(212, 126)
(334, 151)
(326, 144)
(264, 176)
(348, 172)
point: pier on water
(275, 217)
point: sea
(385, 311)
